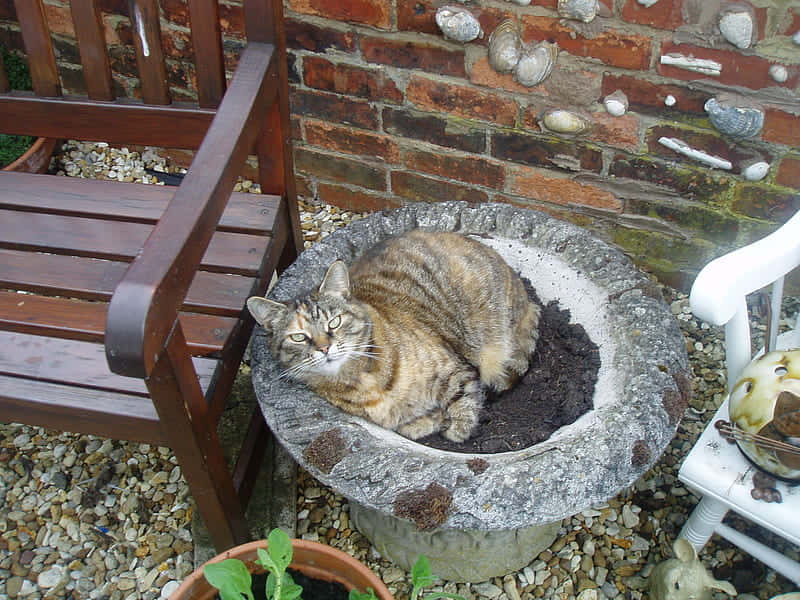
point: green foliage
(421, 577)
(368, 595)
(231, 578)
(19, 78)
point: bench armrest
(145, 304)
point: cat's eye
(298, 337)
(335, 322)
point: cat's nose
(324, 349)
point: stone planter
(36, 159)
(479, 516)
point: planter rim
(36, 158)
(194, 586)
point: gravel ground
(88, 517)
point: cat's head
(316, 335)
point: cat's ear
(337, 281)
(265, 311)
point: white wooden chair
(714, 468)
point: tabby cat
(409, 337)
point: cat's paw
(463, 414)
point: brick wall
(386, 111)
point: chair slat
(38, 47)
(92, 46)
(208, 58)
(116, 240)
(92, 279)
(4, 85)
(71, 196)
(146, 30)
(86, 321)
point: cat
(409, 336)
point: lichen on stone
(477, 465)
(326, 450)
(428, 507)
(640, 454)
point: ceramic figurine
(505, 47)
(736, 25)
(564, 121)
(458, 24)
(737, 121)
(535, 63)
(580, 10)
(616, 103)
(684, 577)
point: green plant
(19, 78)
(421, 577)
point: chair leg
(703, 521)
(775, 560)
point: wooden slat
(244, 213)
(92, 279)
(80, 410)
(77, 363)
(4, 85)
(117, 240)
(207, 44)
(86, 321)
(92, 46)
(38, 47)
(119, 122)
(146, 32)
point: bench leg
(703, 521)
(179, 400)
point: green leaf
(421, 572)
(291, 591)
(435, 595)
(368, 595)
(230, 577)
(265, 560)
(280, 548)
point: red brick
(307, 36)
(59, 20)
(231, 20)
(737, 69)
(419, 188)
(355, 199)
(781, 127)
(437, 59)
(533, 183)
(665, 14)
(649, 97)
(369, 12)
(469, 169)
(690, 182)
(615, 48)
(789, 172)
(176, 11)
(419, 16)
(347, 79)
(546, 151)
(463, 101)
(620, 132)
(350, 141)
(332, 107)
(335, 168)
(435, 129)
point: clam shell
(505, 47)
(535, 63)
(756, 171)
(736, 121)
(616, 103)
(778, 73)
(736, 26)
(580, 10)
(670, 100)
(564, 121)
(647, 3)
(796, 38)
(458, 24)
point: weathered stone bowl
(479, 516)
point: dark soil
(556, 390)
(313, 589)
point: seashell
(682, 147)
(505, 47)
(796, 38)
(670, 100)
(580, 10)
(458, 24)
(756, 171)
(564, 121)
(736, 25)
(616, 103)
(647, 3)
(521, 2)
(690, 63)
(778, 73)
(535, 63)
(736, 121)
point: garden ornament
(684, 577)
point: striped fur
(411, 335)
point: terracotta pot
(36, 159)
(313, 559)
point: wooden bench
(122, 305)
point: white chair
(714, 468)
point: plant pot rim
(313, 559)
(36, 159)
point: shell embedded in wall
(796, 38)
(564, 121)
(756, 171)
(535, 63)
(458, 24)
(647, 3)
(737, 25)
(736, 121)
(778, 73)
(521, 2)
(616, 103)
(580, 10)
(670, 100)
(505, 47)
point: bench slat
(115, 240)
(71, 196)
(86, 321)
(81, 410)
(93, 279)
(207, 45)
(74, 362)
(38, 47)
(144, 15)
(92, 46)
